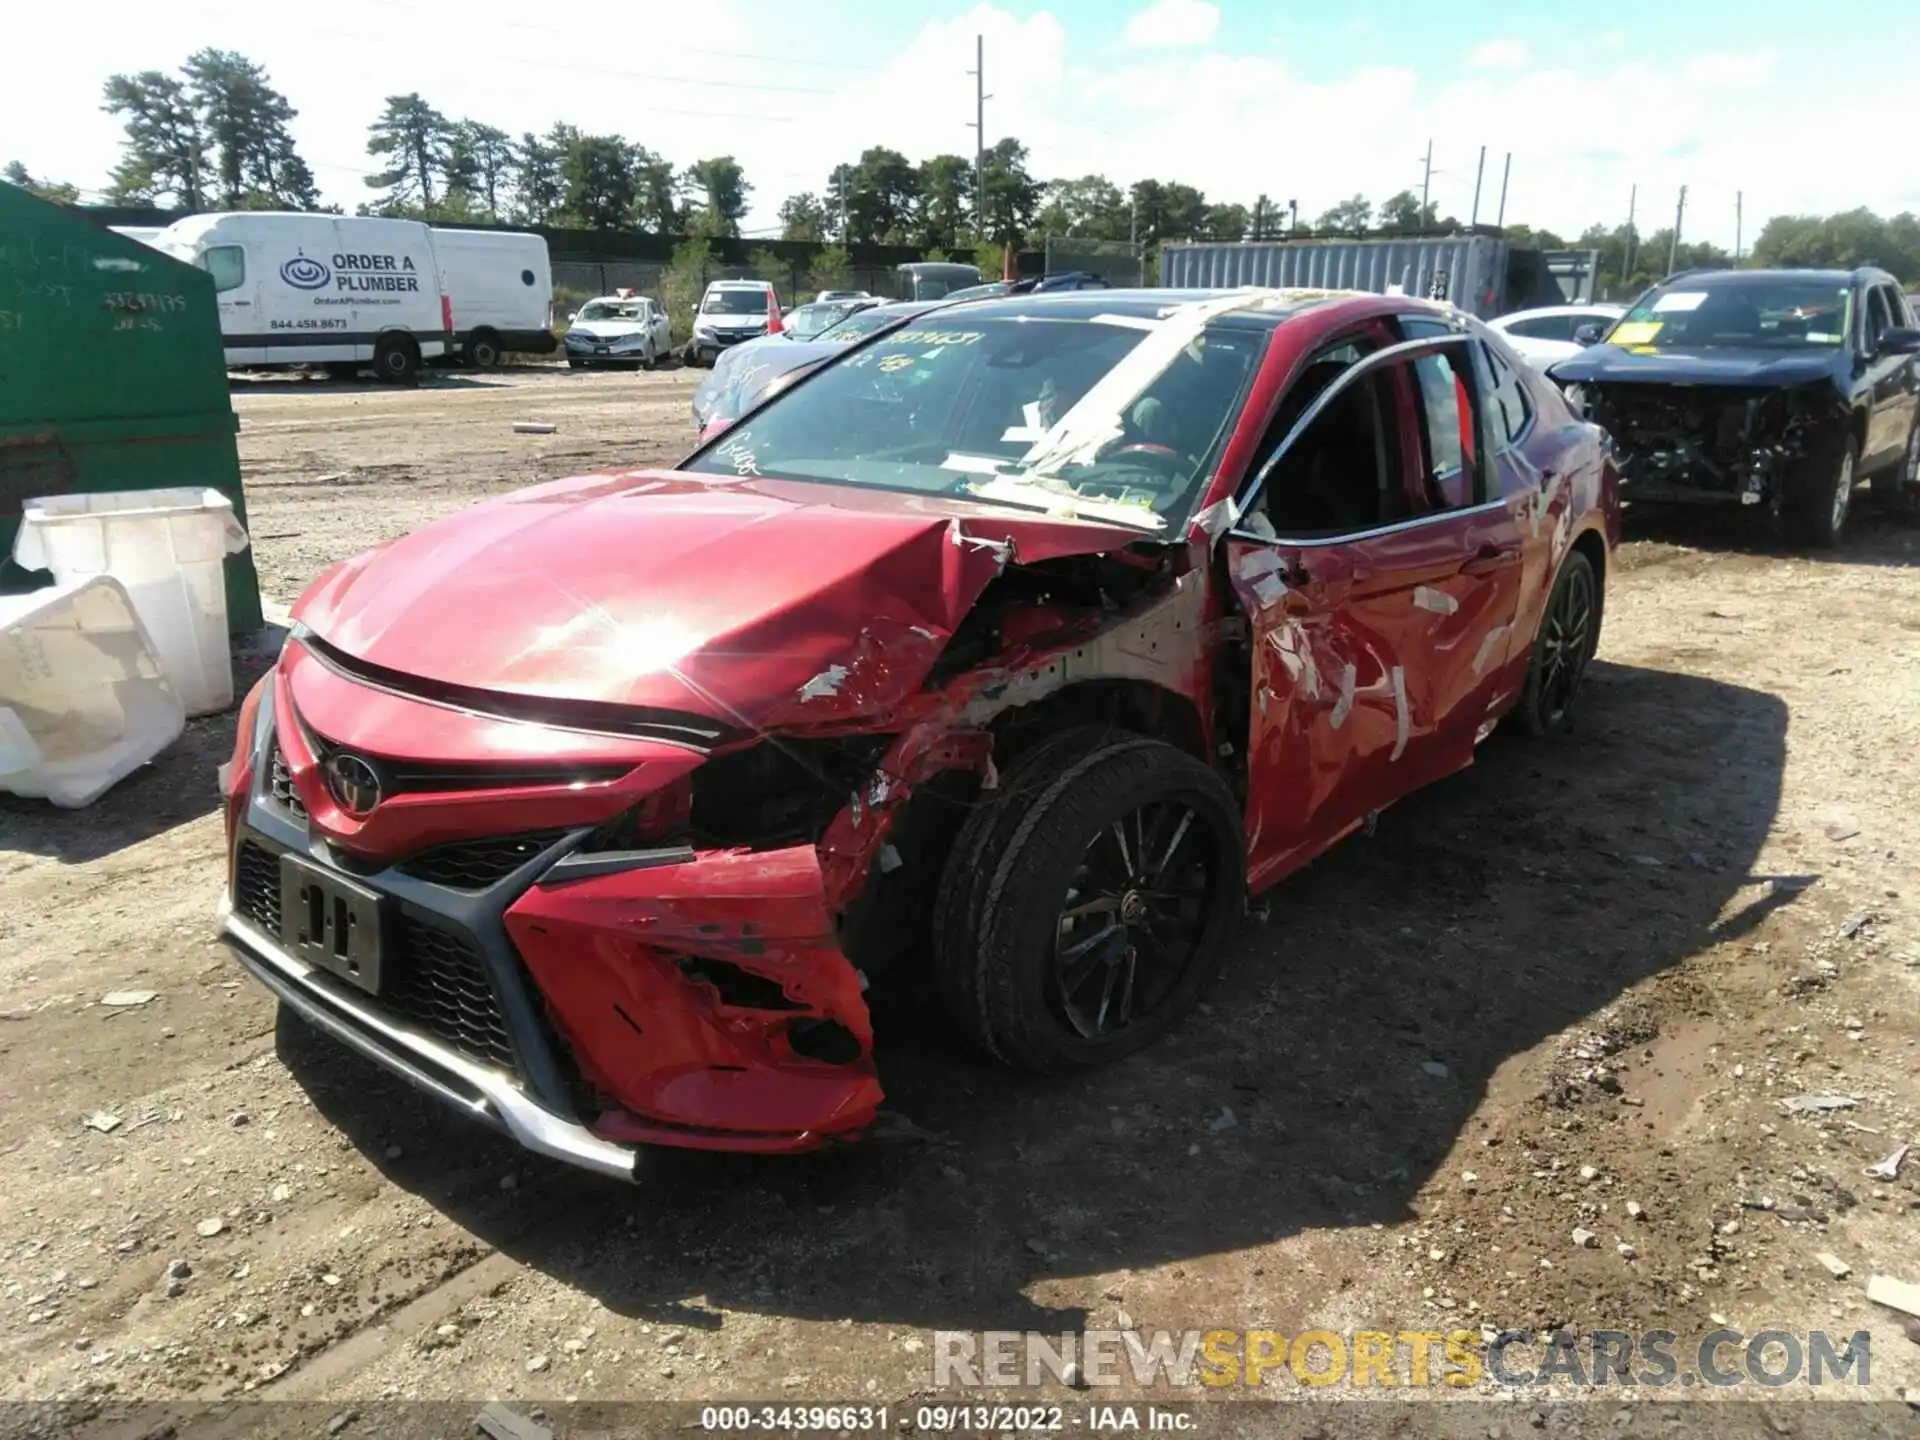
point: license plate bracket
(330, 921)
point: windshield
(808, 321)
(610, 310)
(734, 302)
(1112, 417)
(861, 322)
(1783, 314)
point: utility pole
(1426, 184)
(1626, 263)
(1738, 198)
(1506, 170)
(1679, 214)
(1478, 174)
(1293, 216)
(980, 98)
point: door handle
(1490, 558)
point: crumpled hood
(1768, 369)
(607, 329)
(750, 603)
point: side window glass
(227, 264)
(1509, 412)
(1878, 316)
(1446, 420)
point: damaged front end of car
(600, 926)
(1696, 444)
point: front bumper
(585, 1004)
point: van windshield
(734, 302)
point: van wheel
(483, 350)
(396, 360)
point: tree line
(216, 135)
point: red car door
(1368, 602)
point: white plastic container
(83, 700)
(167, 548)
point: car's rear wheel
(1088, 902)
(483, 350)
(396, 360)
(1562, 649)
(1819, 495)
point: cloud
(1174, 22)
(1498, 55)
(1731, 71)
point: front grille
(438, 980)
(476, 864)
(280, 783)
(431, 976)
(256, 886)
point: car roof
(740, 285)
(1763, 277)
(1591, 307)
(1265, 306)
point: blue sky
(1784, 104)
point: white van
(146, 234)
(501, 282)
(337, 291)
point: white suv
(730, 311)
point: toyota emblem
(353, 783)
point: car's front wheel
(1562, 649)
(1088, 902)
(1819, 495)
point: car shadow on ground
(1876, 534)
(1340, 1060)
(178, 785)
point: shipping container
(1482, 274)
(111, 377)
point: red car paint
(799, 611)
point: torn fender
(619, 959)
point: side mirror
(1900, 340)
(572, 315)
(1589, 334)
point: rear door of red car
(1370, 595)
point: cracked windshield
(1109, 417)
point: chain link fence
(679, 289)
(1120, 263)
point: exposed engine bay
(1705, 444)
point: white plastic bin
(167, 548)
(83, 700)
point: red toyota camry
(1014, 648)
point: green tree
(1843, 241)
(1167, 210)
(1227, 222)
(1403, 214)
(1349, 217)
(946, 193)
(164, 157)
(719, 189)
(538, 185)
(480, 166)
(1013, 195)
(655, 205)
(804, 217)
(59, 194)
(684, 280)
(1091, 207)
(769, 267)
(245, 124)
(832, 269)
(880, 193)
(1267, 220)
(598, 174)
(416, 139)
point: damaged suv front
(1746, 388)
(588, 809)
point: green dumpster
(112, 377)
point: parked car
(618, 329)
(501, 282)
(730, 311)
(1555, 332)
(1011, 649)
(1780, 388)
(742, 376)
(1036, 285)
(827, 295)
(338, 291)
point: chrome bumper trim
(494, 1098)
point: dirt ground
(1568, 990)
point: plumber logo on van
(305, 274)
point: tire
(1072, 820)
(1560, 658)
(1819, 495)
(648, 359)
(483, 350)
(396, 360)
(1899, 488)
